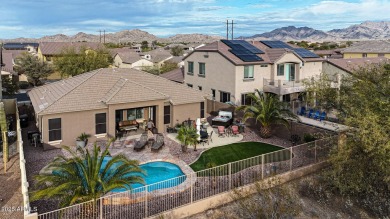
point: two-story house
(367, 49)
(231, 69)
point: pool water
(156, 172)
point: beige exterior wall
(72, 125)
(387, 56)
(220, 73)
(287, 58)
(136, 65)
(332, 71)
(310, 69)
(372, 55)
(352, 55)
(185, 111)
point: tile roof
(176, 59)
(176, 75)
(129, 56)
(55, 48)
(349, 65)
(99, 88)
(375, 46)
(270, 54)
(158, 55)
(114, 51)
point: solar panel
(244, 50)
(274, 44)
(304, 53)
(246, 56)
(248, 46)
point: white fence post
(262, 166)
(146, 201)
(101, 208)
(192, 189)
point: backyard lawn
(237, 151)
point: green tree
(144, 46)
(72, 62)
(168, 66)
(83, 176)
(33, 68)
(9, 86)
(266, 109)
(177, 51)
(187, 136)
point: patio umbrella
(198, 128)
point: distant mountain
(364, 31)
(292, 33)
(135, 35)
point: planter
(80, 143)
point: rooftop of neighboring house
(129, 56)
(100, 88)
(176, 75)
(158, 55)
(270, 51)
(331, 53)
(114, 51)
(19, 46)
(8, 59)
(56, 48)
(374, 46)
(349, 65)
(176, 59)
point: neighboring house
(137, 47)
(157, 56)
(131, 59)
(30, 47)
(367, 49)
(329, 54)
(48, 50)
(336, 68)
(95, 102)
(178, 60)
(230, 69)
(176, 75)
(9, 57)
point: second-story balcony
(282, 87)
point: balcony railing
(282, 87)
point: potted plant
(187, 136)
(82, 139)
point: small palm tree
(83, 177)
(268, 110)
(187, 136)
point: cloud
(102, 22)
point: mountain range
(364, 31)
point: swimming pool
(156, 172)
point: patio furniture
(316, 115)
(203, 137)
(224, 118)
(235, 130)
(221, 131)
(302, 111)
(310, 114)
(127, 124)
(157, 145)
(323, 116)
(139, 145)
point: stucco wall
(332, 71)
(142, 63)
(185, 111)
(310, 69)
(287, 58)
(352, 55)
(220, 73)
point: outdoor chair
(139, 145)
(221, 131)
(310, 114)
(316, 115)
(235, 131)
(302, 111)
(204, 136)
(157, 145)
(323, 116)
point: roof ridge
(118, 86)
(92, 74)
(144, 86)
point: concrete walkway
(323, 124)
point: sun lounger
(157, 145)
(139, 145)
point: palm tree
(187, 136)
(83, 176)
(268, 110)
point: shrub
(23, 84)
(307, 137)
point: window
(381, 55)
(201, 109)
(100, 123)
(190, 67)
(189, 85)
(248, 71)
(263, 65)
(224, 97)
(245, 99)
(200, 87)
(55, 129)
(167, 114)
(280, 70)
(202, 69)
(136, 113)
(213, 93)
(364, 55)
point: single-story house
(96, 102)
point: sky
(37, 18)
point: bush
(23, 84)
(307, 137)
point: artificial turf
(232, 152)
